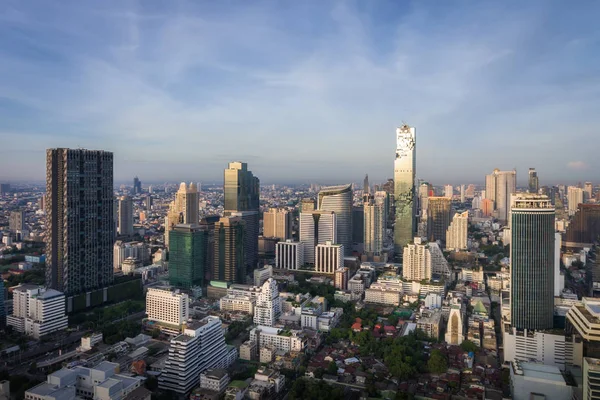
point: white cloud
(577, 165)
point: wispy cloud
(315, 89)
(577, 165)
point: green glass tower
(188, 255)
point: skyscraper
(456, 235)
(532, 262)
(448, 191)
(268, 304)
(534, 183)
(416, 261)
(148, 202)
(499, 185)
(375, 219)
(228, 261)
(574, 198)
(366, 187)
(242, 193)
(16, 221)
(588, 190)
(188, 255)
(2, 306)
(125, 216)
(439, 211)
(137, 186)
(316, 227)
(584, 228)
(277, 223)
(80, 229)
(339, 200)
(183, 210)
(404, 187)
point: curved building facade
(339, 200)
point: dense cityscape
(398, 289)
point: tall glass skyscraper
(228, 261)
(80, 229)
(532, 262)
(404, 187)
(339, 200)
(188, 255)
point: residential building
(375, 222)
(439, 210)
(487, 207)
(448, 191)
(200, 347)
(341, 276)
(456, 235)
(404, 187)
(139, 251)
(277, 223)
(284, 340)
(16, 221)
(262, 274)
(167, 307)
(543, 346)
(499, 185)
(430, 323)
(317, 227)
(416, 261)
(532, 262)
(188, 255)
(3, 312)
(79, 220)
(531, 380)
(574, 198)
(125, 216)
(238, 302)
(329, 257)
(338, 199)
(228, 263)
(214, 379)
(268, 304)
(385, 292)
(357, 286)
(248, 350)
(289, 255)
(100, 383)
(439, 264)
(37, 311)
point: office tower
(404, 187)
(80, 228)
(200, 347)
(532, 262)
(37, 311)
(17, 221)
(307, 205)
(574, 198)
(341, 277)
(584, 228)
(183, 210)
(137, 186)
(228, 262)
(498, 187)
(423, 196)
(448, 191)
(277, 223)
(4, 189)
(268, 304)
(2, 306)
(591, 378)
(339, 200)
(534, 183)
(289, 255)
(374, 223)
(316, 227)
(456, 235)
(125, 219)
(462, 194)
(588, 190)
(366, 188)
(167, 307)
(438, 219)
(148, 202)
(188, 255)
(329, 257)
(416, 261)
(139, 251)
(251, 222)
(358, 225)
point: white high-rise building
(125, 219)
(268, 304)
(462, 194)
(200, 347)
(262, 274)
(167, 307)
(375, 220)
(124, 250)
(448, 191)
(184, 209)
(456, 235)
(439, 264)
(574, 198)
(37, 311)
(329, 257)
(317, 227)
(338, 199)
(499, 185)
(289, 255)
(416, 261)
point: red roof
(356, 326)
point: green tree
(332, 368)
(437, 363)
(468, 346)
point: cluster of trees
(236, 328)
(438, 362)
(19, 384)
(117, 332)
(35, 276)
(315, 389)
(107, 314)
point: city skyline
(506, 80)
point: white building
(357, 286)
(37, 311)
(262, 274)
(546, 348)
(284, 340)
(574, 198)
(386, 292)
(591, 378)
(167, 307)
(235, 302)
(456, 235)
(448, 191)
(99, 383)
(268, 304)
(530, 380)
(215, 379)
(439, 264)
(289, 255)
(124, 250)
(200, 347)
(329, 257)
(316, 227)
(248, 350)
(416, 261)
(375, 220)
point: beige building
(456, 235)
(184, 209)
(416, 261)
(167, 307)
(384, 292)
(454, 330)
(277, 223)
(499, 185)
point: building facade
(499, 185)
(268, 304)
(229, 239)
(183, 210)
(188, 255)
(289, 255)
(404, 187)
(277, 223)
(456, 235)
(534, 183)
(416, 262)
(79, 220)
(439, 210)
(317, 227)
(167, 307)
(338, 199)
(329, 257)
(574, 198)
(375, 222)
(125, 216)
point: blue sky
(303, 90)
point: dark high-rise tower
(439, 215)
(532, 262)
(137, 186)
(80, 228)
(188, 255)
(534, 183)
(366, 187)
(228, 257)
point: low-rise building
(430, 323)
(242, 303)
(282, 339)
(37, 311)
(166, 307)
(215, 379)
(530, 380)
(248, 350)
(386, 292)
